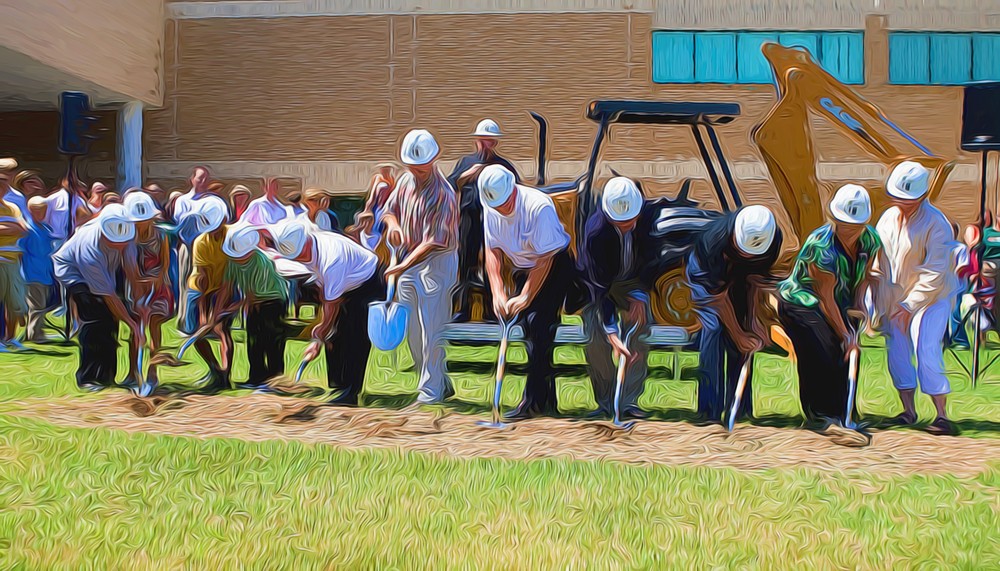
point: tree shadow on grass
(45, 352)
(390, 401)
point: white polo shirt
(532, 230)
(264, 212)
(340, 264)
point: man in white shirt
(345, 273)
(914, 293)
(524, 238)
(188, 204)
(57, 211)
(317, 202)
(267, 210)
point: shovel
(506, 326)
(741, 386)
(387, 319)
(854, 367)
(203, 331)
(620, 380)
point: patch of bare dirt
(261, 417)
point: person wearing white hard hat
(470, 227)
(153, 298)
(264, 293)
(209, 300)
(87, 266)
(831, 273)
(421, 220)
(727, 270)
(525, 242)
(616, 255)
(347, 277)
(914, 294)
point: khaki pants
(38, 306)
(427, 289)
(603, 369)
(12, 294)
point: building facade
(319, 91)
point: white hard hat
(140, 206)
(621, 199)
(419, 147)
(211, 214)
(909, 181)
(496, 184)
(115, 224)
(755, 228)
(240, 241)
(290, 238)
(851, 204)
(488, 128)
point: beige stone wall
(115, 44)
(321, 99)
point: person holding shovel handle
(154, 300)
(346, 275)
(524, 239)
(264, 293)
(819, 301)
(616, 256)
(728, 268)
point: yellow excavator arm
(786, 142)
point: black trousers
(470, 271)
(266, 337)
(822, 364)
(348, 348)
(540, 322)
(98, 338)
(720, 363)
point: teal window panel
(673, 57)
(909, 58)
(751, 66)
(843, 55)
(951, 58)
(986, 57)
(715, 57)
(807, 40)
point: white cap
(909, 181)
(419, 147)
(488, 128)
(211, 214)
(755, 228)
(851, 204)
(496, 184)
(240, 241)
(290, 238)
(115, 223)
(621, 199)
(140, 206)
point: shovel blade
(387, 324)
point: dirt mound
(268, 417)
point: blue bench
(660, 336)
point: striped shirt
(426, 212)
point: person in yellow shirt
(209, 298)
(12, 291)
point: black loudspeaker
(981, 117)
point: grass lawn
(102, 498)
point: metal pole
(733, 191)
(723, 203)
(980, 283)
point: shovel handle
(740, 387)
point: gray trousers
(603, 368)
(427, 289)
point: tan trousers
(38, 306)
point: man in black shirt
(729, 265)
(470, 227)
(617, 266)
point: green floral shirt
(256, 277)
(821, 250)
